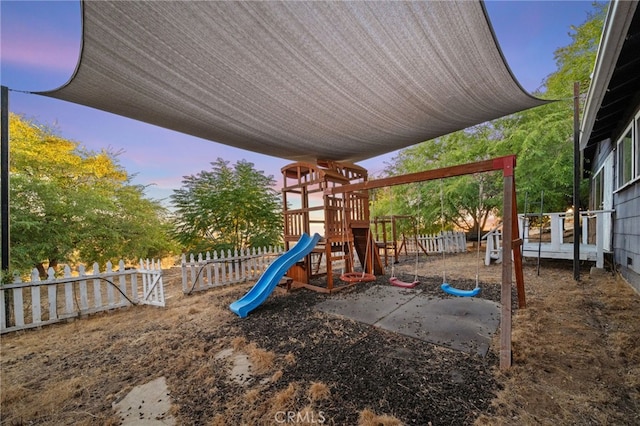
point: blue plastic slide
(271, 277)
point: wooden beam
(506, 164)
(505, 292)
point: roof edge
(616, 26)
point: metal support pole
(4, 176)
(576, 181)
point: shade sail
(302, 81)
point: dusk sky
(40, 47)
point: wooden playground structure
(332, 198)
(342, 219)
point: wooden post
(517, 251)
(384, 241)
(599, 239)
(505, 292)
(394, 235)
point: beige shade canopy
(342, 81)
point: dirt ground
(576, 351)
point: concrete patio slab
(464, 324)
(370, 306)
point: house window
(597, 195)
(626, 158)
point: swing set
(511, 242)
(446, 287)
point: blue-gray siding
(626, 233)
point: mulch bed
(88, 364)
(366, 367)
(575, 353)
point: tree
(542, 137)
(226, 208)
(70, 204)
(459, 204)
(576, 60)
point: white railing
(559, 222)
(448, 241)
(493, 249)
(595, 237)
(549, 242)
(206, 271)
(41, 302)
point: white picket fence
(41, 302)
(448, 242)
(206, 271)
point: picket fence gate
(72, 295)
(206, 271)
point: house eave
(616, 26)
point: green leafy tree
(70, 204)
(456, 200)
(542, 137)
(576, 60)
(226, 208)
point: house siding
(604, 149)
(626, 233)
(611, 111)
(626, 224)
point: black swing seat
(396, 282)
(457, 292)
